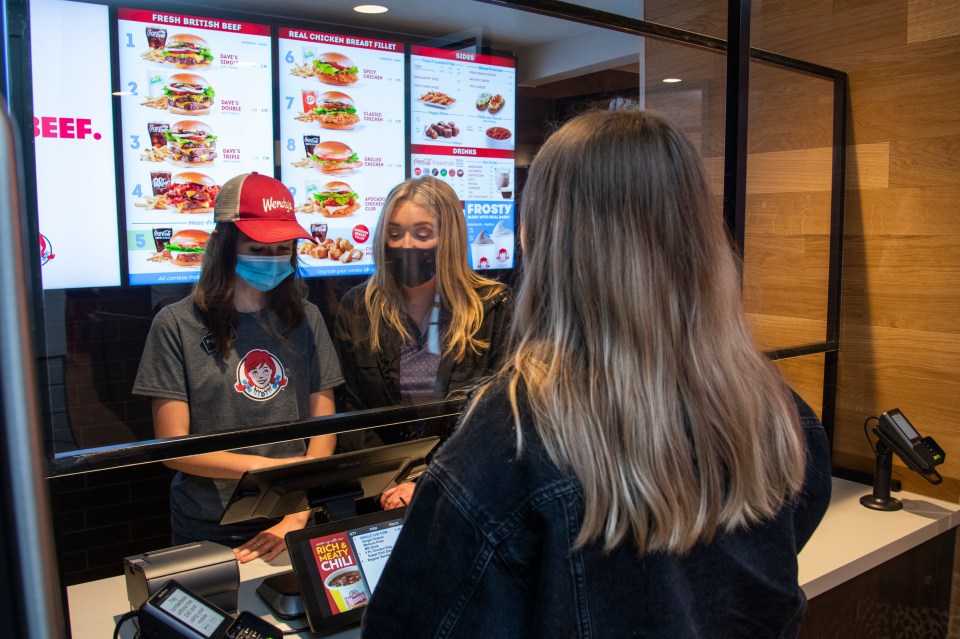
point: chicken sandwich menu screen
(342, 141)
(196, 110)
(463, 131)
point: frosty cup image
(502, 236)
(483, 252)
(347, 588)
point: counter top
(850, 540)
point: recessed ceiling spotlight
(370, 8)
(671, 80)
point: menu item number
(437, 99)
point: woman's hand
(268, 544)
(398, 496)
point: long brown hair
(213, 292)
(461, 290)
(630, 343)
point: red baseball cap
(261, 207)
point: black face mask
(411, 266)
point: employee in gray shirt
(243, 349)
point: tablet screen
(339, 564)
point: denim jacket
(486, 552)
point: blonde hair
(631, 347)
(462, 292)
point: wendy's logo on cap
(270, 203)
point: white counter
(850, 540)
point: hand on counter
(398, 496)
(269, 543)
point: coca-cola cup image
(156, 38)
(318, 231)
(158, 133)
(161, 237)
(159, 181)
(309, 143)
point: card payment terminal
(173, 612)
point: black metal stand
(281, 592)
(881, 499)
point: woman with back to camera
(637, 467)
(424, 325)
(244, 349)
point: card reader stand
(880, 499)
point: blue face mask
(264, 272)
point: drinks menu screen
(74, 144)
(196, 110)
(462, 129)
(342, 141)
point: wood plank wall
(900, 339)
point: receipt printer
(206, 568)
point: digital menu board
(74, 144)
(342, 134)
(462, 128)
(197, 110)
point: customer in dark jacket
(424, 325)
(637, 467)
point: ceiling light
(370, 8)
(123, 93)
(671, 80)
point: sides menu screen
(462, 131)
(197, 110)
(342, 141)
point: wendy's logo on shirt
(260, 376)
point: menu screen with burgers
(342, 148)
(196, 110)
(462, 130)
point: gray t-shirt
(266, 379)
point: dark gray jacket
(485, 551)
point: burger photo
(335, 158)
(185, 247)
(337, 199)
(188, 94)
(335, 68)
(191, 143)
(192, 192)
(336, 110)
(187, 51)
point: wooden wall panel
(931, 19)
(805, 376)
(900, 337)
